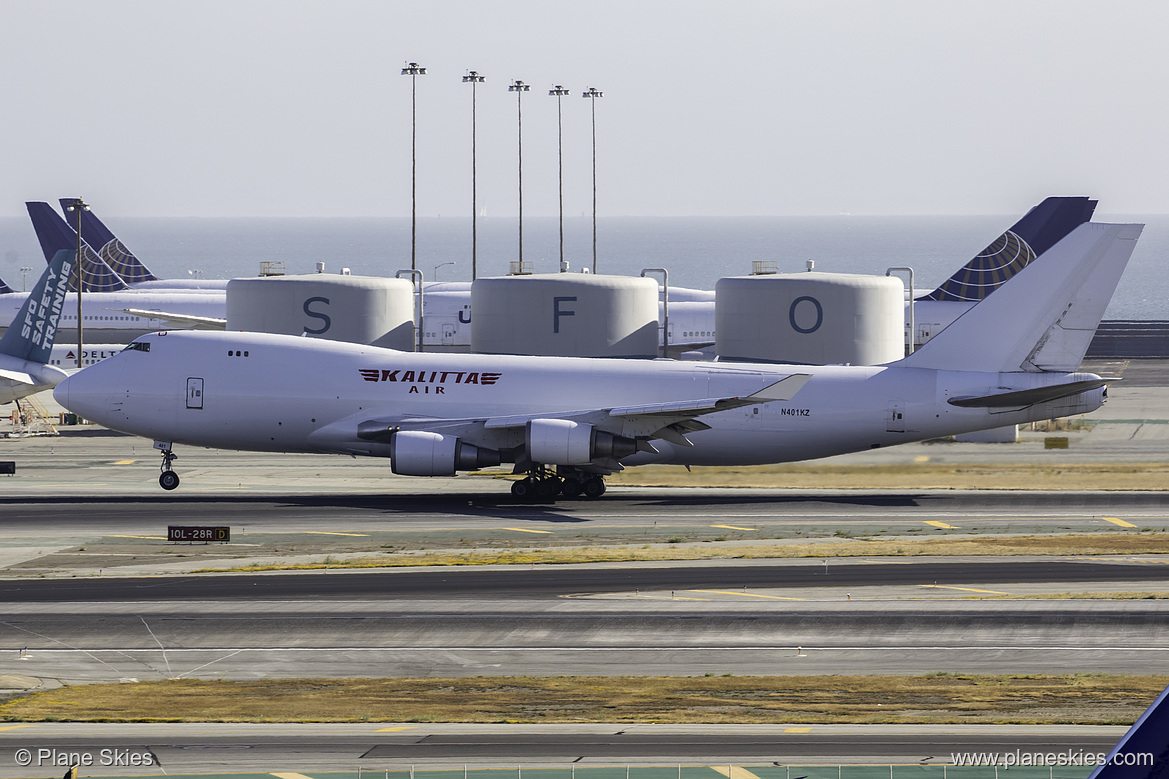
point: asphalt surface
(554, 581)
(186, 749)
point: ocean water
(696, 251)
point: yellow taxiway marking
(937, 523)
(526, 530)
(335, 533)
(964, 589)
(125, 462)
(1118, 521)
(148, 538)
(395, 730)
(14, 727)
(747, 594)
(734, 772)
(797, 730)
(922, 458)
(290, 776)
(735, 527)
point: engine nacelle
(564, 442)
(421, 453)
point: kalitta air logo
(432, 382)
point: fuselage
(282, 393)
(104, 317)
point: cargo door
(194, 393)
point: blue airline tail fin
(56, 235)
(1143, 752)
(5, 289)
(31, 334)
(1042, 227)
(110, 249)
(1044, 318)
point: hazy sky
(770, 107)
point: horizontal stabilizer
(1029, 397)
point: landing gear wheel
(571, 488)
(168, 480)
(547, 489)
(594, 487)
(522, 489)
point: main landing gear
(542, 485)
(168, 479)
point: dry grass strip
(1129, 543)
(933, 698)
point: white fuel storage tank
(565, 314)
(357, 309)
(810, 318)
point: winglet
(784, 389)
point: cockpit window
(138, 346)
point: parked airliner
(447, 305)
(568, 422)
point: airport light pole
(473, 78)
(413, 70)
(593, 94)
(519, 88)
(441, 264)
(24, 279)
(559, 92)
(78, 205)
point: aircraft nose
(61, 392)
(87, 393)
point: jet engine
(563, 442)
(421, 453)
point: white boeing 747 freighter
(568, 422)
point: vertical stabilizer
(5, 289)
(112, 251)
(1044, 319)
(1042, 227)
(31, 334)
(1143, 752)
(55, 235)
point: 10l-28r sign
(198, 533)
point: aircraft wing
(668, 421)
(179, 320)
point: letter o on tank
(559, 442)
(791, 314)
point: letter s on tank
(328, 322)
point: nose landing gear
(168, 479)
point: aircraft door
(448, 334)
(895, 417)
(194, 393)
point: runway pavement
(790, 617)
(88, 503)
(234, 748)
